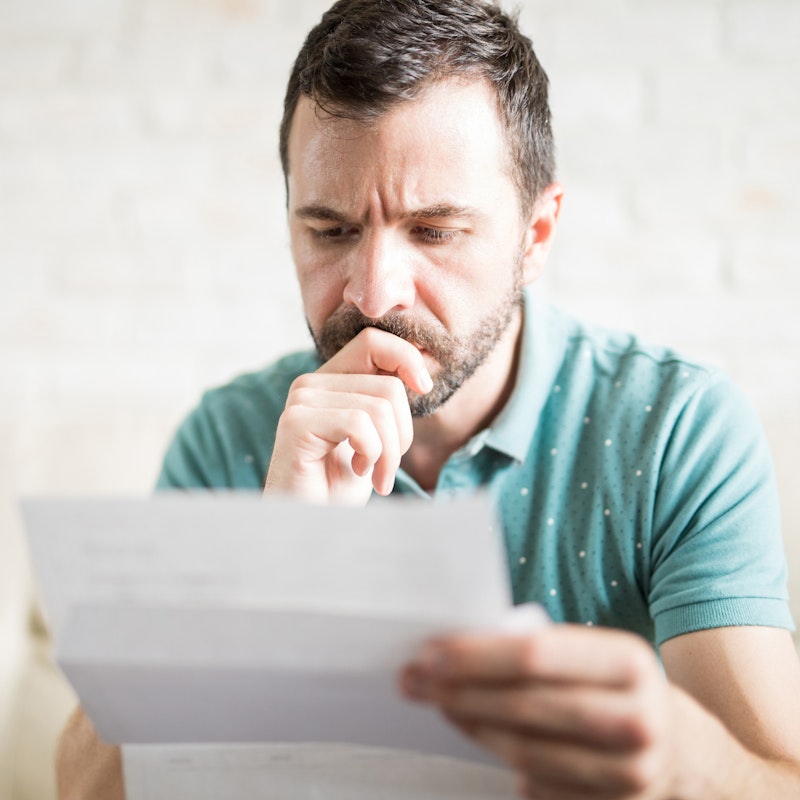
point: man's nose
(380, 277)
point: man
(635, 488)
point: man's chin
(420, 408)
(424, 405)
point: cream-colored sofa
(35, 703)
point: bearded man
(634, 486)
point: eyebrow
(440, 211)
(437, 211)
(322, 213)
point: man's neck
(471, 409)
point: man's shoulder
(618, 358)
(639, 391)
(575, 376)
(630, 402)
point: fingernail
(425, 381)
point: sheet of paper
(306, 772)
(225, 618)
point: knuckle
(300, 382)
(393, 391)
(531, 656)
(640, 663)
(383, 410)
(369, 334)
(360, 420)
(640, 773)
(378, 415)
(397, 389)
(292, 416)
(299, 395)
(641, 725)
(638, 729)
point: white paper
(306, 772)
(227, 618)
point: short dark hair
(366, 56)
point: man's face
(410, 223)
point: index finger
(560, 653)
(374, 351)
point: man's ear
(540, 232)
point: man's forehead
(312, 118)
(437, 105)
(445, 146)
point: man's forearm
(86, 767)
(751, 777)
(717, 766)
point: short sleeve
(197, 457)
(226, 441)
(717, 556)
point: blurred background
(144, 253)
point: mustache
(346, 323)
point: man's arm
(581, 712)
(749, 679)
(86, 767)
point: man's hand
(586, 712)
(576, 712)
(345, 427)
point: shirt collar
(544, 338)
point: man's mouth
(424, 352)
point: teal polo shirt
(635, 487)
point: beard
(458, 357)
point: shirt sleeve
(226, 442)
(195, 459)
(717, 552)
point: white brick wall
(144, 257)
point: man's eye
(435, 235)
(329, 233)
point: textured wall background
(143, 252)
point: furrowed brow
(321, 213)
(436, 211)
(441, 211)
